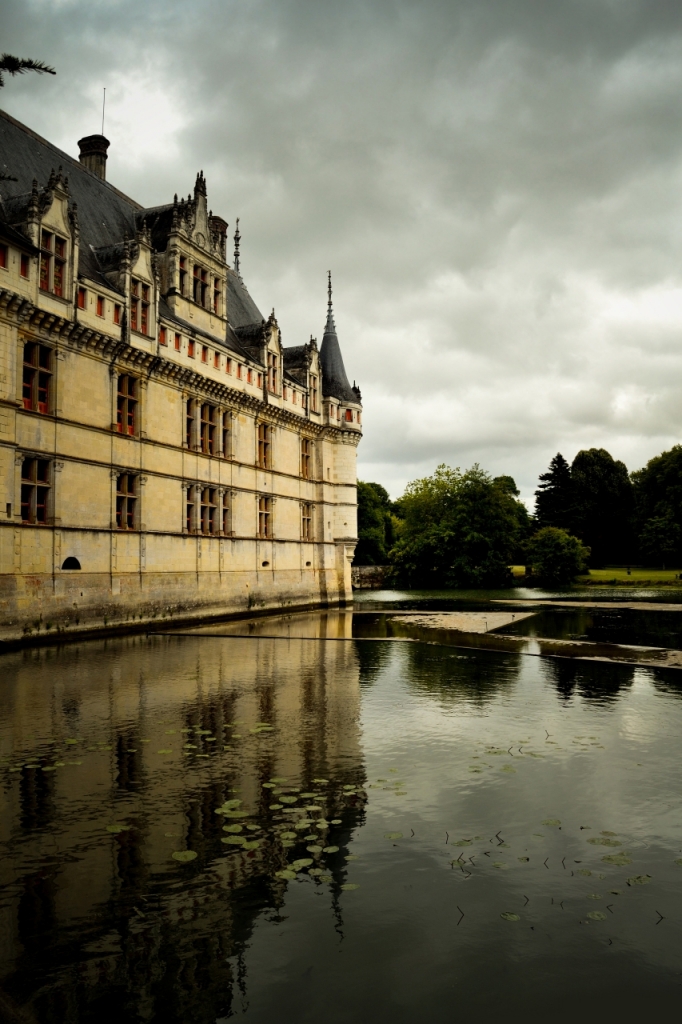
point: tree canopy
(375, 525)
(593, 499)
(556, 556)
(458, 530)
(658, 508)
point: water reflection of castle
(97, 924)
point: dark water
(466, 802)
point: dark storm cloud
(495, 185)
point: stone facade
(163, 456)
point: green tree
(658, 508)
(555, 496)
(458, 530)
(556, 556)
(604, 506)
(375, 525)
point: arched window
(71, 563)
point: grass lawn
(619, 577)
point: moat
(318, 817)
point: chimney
(93, 154)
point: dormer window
(272, 372)
(52, 263)
(139, 306)
(200, 285)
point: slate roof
(334, 379)
(105, 215)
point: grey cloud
(494, 183)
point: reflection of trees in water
(154, 942)
(373, 657)
(598, 682)
(666, 680)
(456, 676)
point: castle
(163, 456)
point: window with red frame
(35, 491)
(82, 295)
(117, 313)
(177, 343)
(52, 263)
(349, 415)
(126, 500)
(190, 348)
(100, 306)
(163, 337)
(126, 407)
(216, 360)
(208, 510)
(208, 418)
(4, 257)
(204, 354)
(139, 306)
(37, 377)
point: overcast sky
(496, 186)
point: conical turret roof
(334, 379)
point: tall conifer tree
(555, 497)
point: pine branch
(17, 66)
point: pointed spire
(237, 240)
(334, 379)
(331, 327)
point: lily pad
(232, 840)
(555, 822)
(314, 849)
(288, 835)
(286, 874)
(598, 841)
(523, 859)
(594, 896)
(302, 862)
(393, 835)
(336, 821)
(325, 878)
(679, 861)
(585, 872)
(508, 916)
(233, 828)
(164, 750)
(251, 844)
(269, 785)
(619, 859)
(322, 782)
(596, 915)
(330, 849)
(184, 856)
(114, 829)
(288, 799)
(462, 842)
(350, 885)
(639, 880)
(276, 807)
